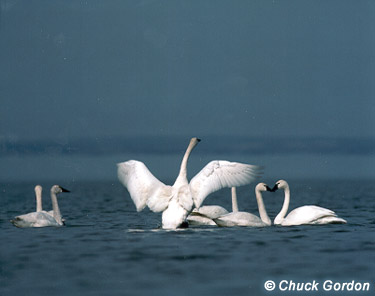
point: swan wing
(143, 187)
(44, 219)
(160, 198)
(219, 174)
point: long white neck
(56, 209)
(262, 209)
(280, 216)
(182, 176)
(38, 195)
(234, 200)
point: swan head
(38, 189)
(281, 184)
(262, 187)
(58, 189)
(194, 141)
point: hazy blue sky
(74, 69)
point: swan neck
(234, 200)
(280, 217)
(55, 208)
(38, 195)
(261, 208)
(182, 176)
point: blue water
(107, 248)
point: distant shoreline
(176, 144)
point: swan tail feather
(330, 220)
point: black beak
(199, 140)
(269, 189)
(274, 188)
(64, 190)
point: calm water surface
(107, 248)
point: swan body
(240, 219)
(42, 218)
(35, 219)
(205, 215)
(211, 212)
(177, 201)
(237, 218)
(197, 219)
(308, 214)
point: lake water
(107, 248)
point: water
(107, 248)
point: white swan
(42, 218)
(304, 214)
(237, 218)
(177, 201)
(205, 215)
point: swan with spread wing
(177, 201)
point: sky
(94, 69)
(97, 71)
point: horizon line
(216, 144)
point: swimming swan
(205, 215)
(304, 214)
(177, 201)
(246, 219)
(42, 218)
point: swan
(177, 201)
(304, 214)
(237, 218)
(205, 215)
(42, 218)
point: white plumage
(237, 218)
(178, 200)
(219, 174)
(35, 219)
(42, 218)
(305, 214)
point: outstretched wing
(219, 174)
(143, 187)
